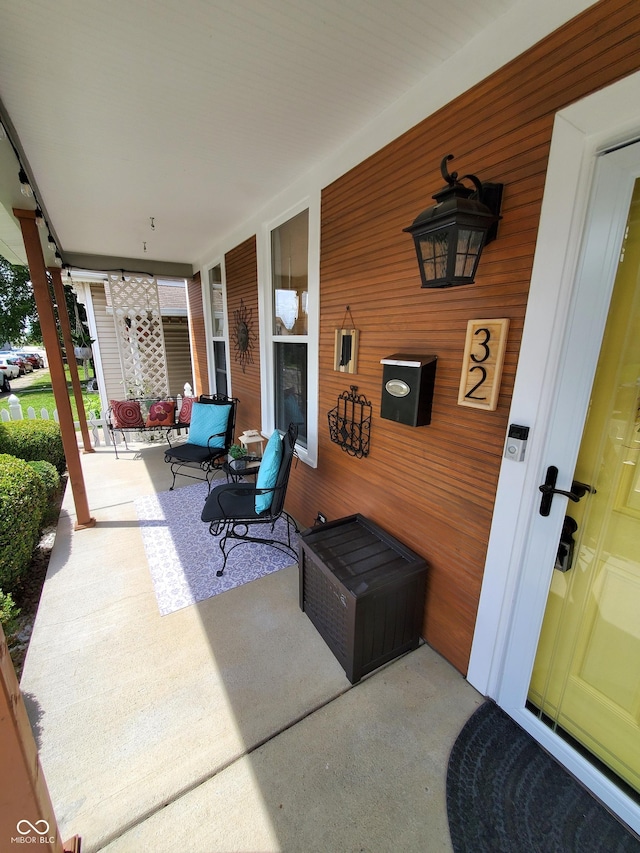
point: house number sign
(484, 350)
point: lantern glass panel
(468, 251)
(434, 252)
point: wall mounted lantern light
(451, 234)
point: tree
(77, 318)
(19, 320)
(18, 313)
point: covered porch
(251, 697)
(227, 725)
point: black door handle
(566, 547)
(548, 489)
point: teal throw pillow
(209, 419)
(268, 471)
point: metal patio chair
(211, 431)
(233, 511)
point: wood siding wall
(198, 336)
(242, 289)
(434, 486)
(176, 344)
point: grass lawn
(39, 394)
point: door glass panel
(586, 677)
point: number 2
(470, 395)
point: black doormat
(505, 794)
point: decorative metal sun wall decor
(243, 335)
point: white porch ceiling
(197, 112)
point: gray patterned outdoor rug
(505, 794)
(183, 556)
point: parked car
(12, 370)
(5, 385)
(23, 365)
(11, 358)
(35, 360)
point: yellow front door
(586, 677)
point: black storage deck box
(363, 590)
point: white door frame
(516, 580)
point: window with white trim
(218, 329)
(290, 327)
(289, 260)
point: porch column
(38, 274)
(26, 812)
(63, 316)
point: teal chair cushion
(268, 471)
(209, 420)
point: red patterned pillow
(161, 414)
(185, 410)
(126, 413)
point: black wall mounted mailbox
(407, 388)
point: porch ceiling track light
(450, 235)
(25, 186)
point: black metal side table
(247, 466)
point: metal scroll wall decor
(136, 312)
(350, 423)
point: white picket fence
(95, 421)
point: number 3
(483, 344)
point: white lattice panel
(136, 313)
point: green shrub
(8, 613)
(51, 481)
(22, 500)
(33, 441)
(49, 475)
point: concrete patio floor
(228, 725)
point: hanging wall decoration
(350, 423)
(484, 350)
(243, 335)
(346, 347)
